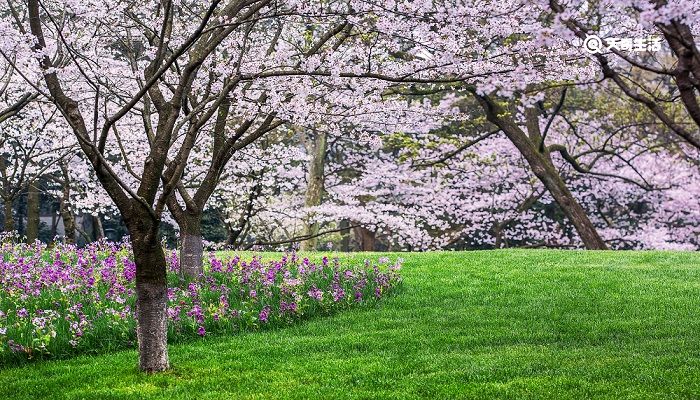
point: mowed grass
(491, 324)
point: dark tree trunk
(66, 209)
(497, 231)
(191, 246)
(33, 211)
(541, 165)
(345, 235)
(151, 294)
(9, 219)
(54, 223)
(21, 217)
(314, 189)
(365, 238)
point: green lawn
(501, 324)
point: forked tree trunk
(543, 168)
(568, 204)
(9, 219)
(151, 295)
(33, 211)
(314, 190)
(191, 246)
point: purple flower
(15, 347)
(39, 323)
(288, 307)
(174, 313)
(94, 287)
(264, 314)
(338, 293)
(315, 293)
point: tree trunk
(545, 171)
(98, 231)
(191, 246)
(68, 221)
(314, 189)
(345, 235)
(497, 231)
(33, 212)
(365, 238)
(21, 215)
(9, 220)
(151, 295)
(66, 209)
(54, 222)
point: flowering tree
(623, 27)
(31, 146)
(148, 64)
(161, 96)
(157, 92)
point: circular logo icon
(593, 44)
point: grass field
(491, 324)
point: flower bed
(67, 300)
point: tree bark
(543, 168)
(9, 219)
(497, 232)
(66, 209)
(151, 294)
(366, 238)
(33, 213)
(314, 189)
(345, 235)
(191, 246)
(98, 231)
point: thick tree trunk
(365, 238)
(314, 190)
(9, 219)
(33, 211)
(151, 295)
(544, 170)
(569, 205)
(191, 246)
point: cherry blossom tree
(171, 103)
(650, 76)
